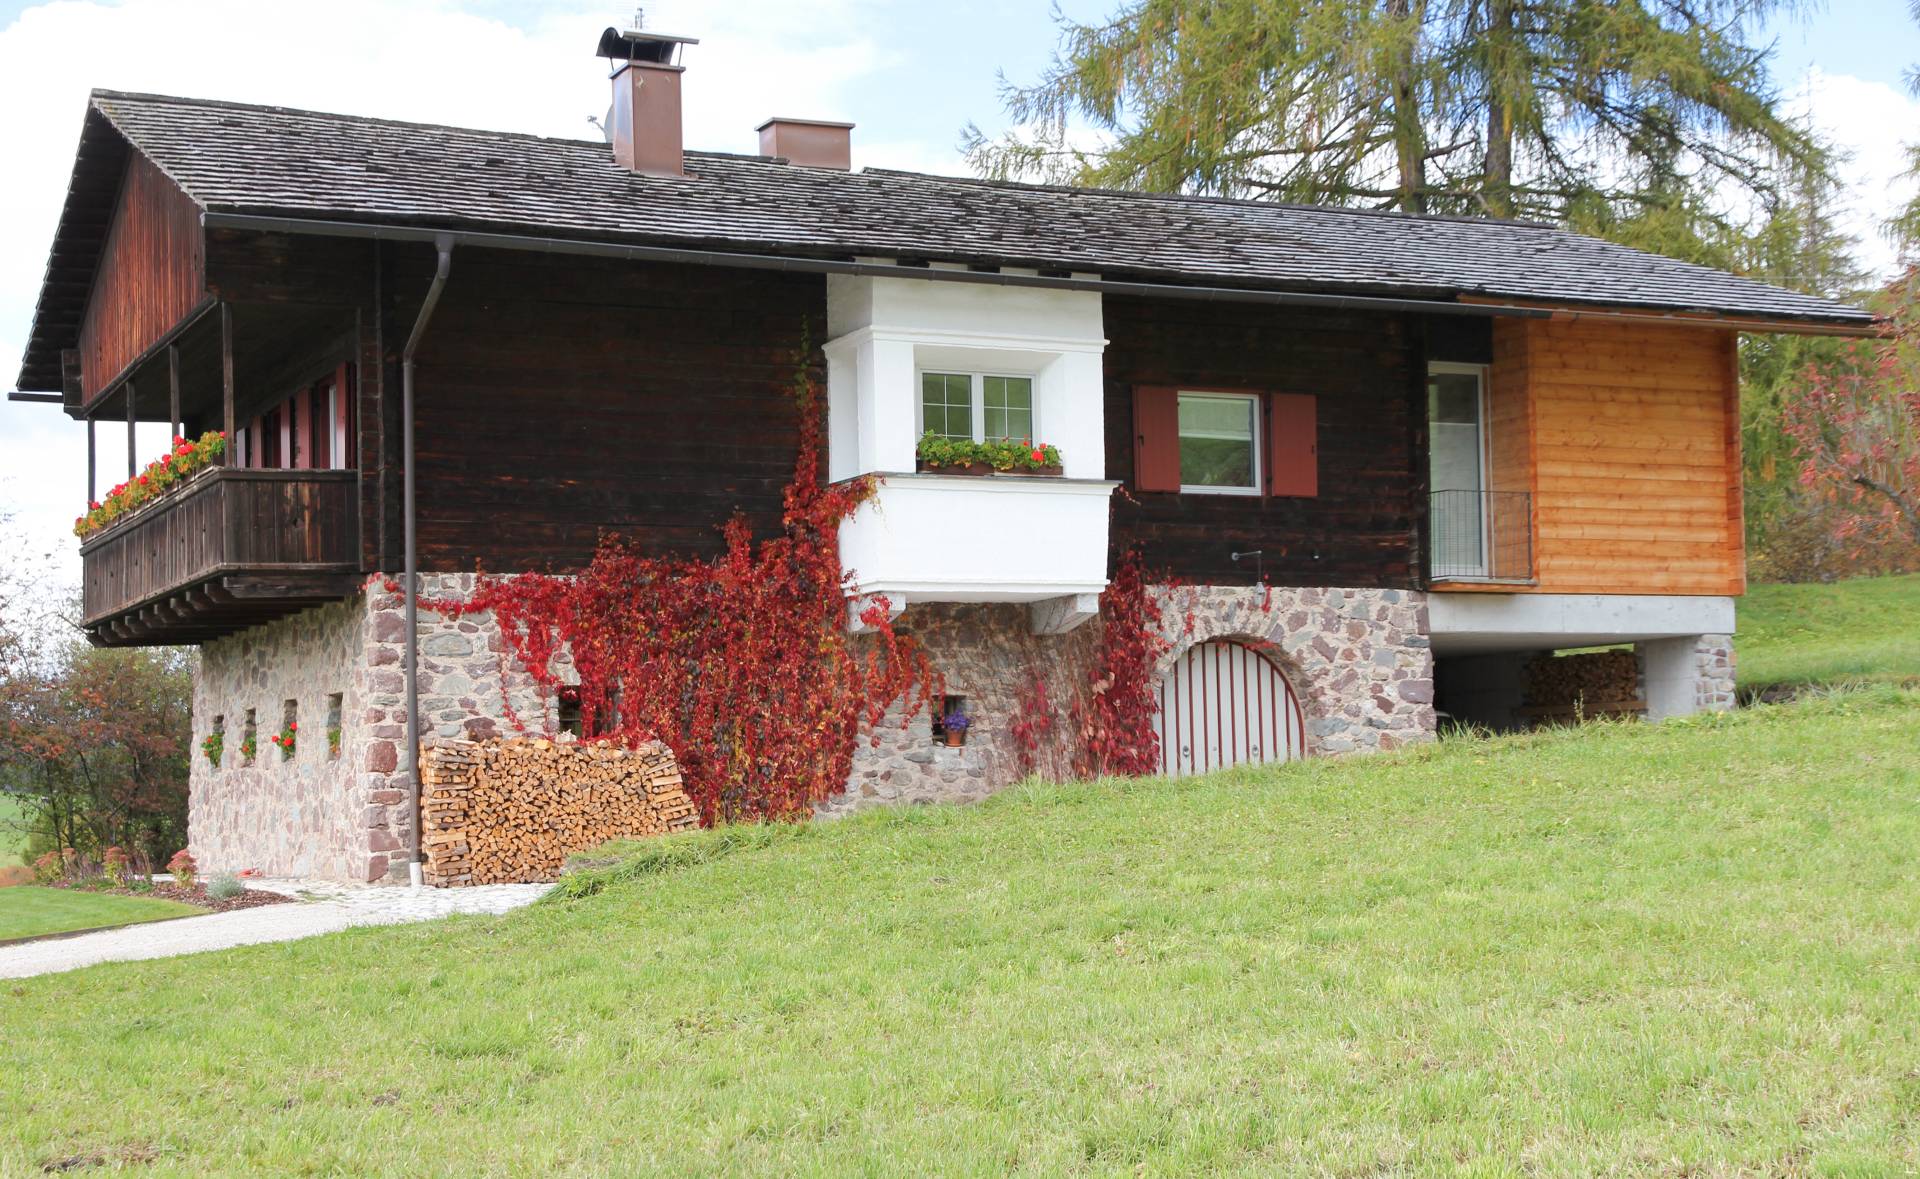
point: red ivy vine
(741, 663)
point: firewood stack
(1596, 681)
(511, 811)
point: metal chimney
(644, 122)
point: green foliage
(1629, 119)
(937, 450)
(224, 886)
(1622, 949)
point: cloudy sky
(909, 73)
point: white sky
(909, 73)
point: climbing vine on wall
(741, 662)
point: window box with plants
(172, 471)
(942, 455)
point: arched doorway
(1222, 704)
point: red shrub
(741, 663)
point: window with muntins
(1219, 447)
(978, 407)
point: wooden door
(1226, 704)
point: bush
(50, 867)
(225, 886)
(183, 868)
(114, 862)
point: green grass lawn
(1691, 948)
(1866, 629)
(26, 911)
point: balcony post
(226, 376)
(132, 457)
(93, 460)
(173, 393)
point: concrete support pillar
(1686, 675)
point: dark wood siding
(152, 273)
(1361, 528)
(562, 398)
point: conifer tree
(1633, 116)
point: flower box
(954, 469)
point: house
(1384, 458)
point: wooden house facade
(1377, 460)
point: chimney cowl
(809, 143)
(643, 123)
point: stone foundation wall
(1359, 660)
(308, 815)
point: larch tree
(1649, 119)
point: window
(980, 407)
(1219, 451)
(334, 732)
(1009, 408)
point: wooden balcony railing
(229, 550)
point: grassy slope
(1808, 634)
(26, 911)
(1689, 947)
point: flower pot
(966, 469)
(956, 738)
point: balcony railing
(1481, 536)
(228, 550)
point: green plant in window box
(333, 741)
(214, 745)
(959, 456)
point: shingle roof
(231, 157)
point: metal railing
(1481, 536)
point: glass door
(1457, 468)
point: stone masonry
(1687, 675)
(341, 815)
(1359, 660)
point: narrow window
(1009, 408)
(215, 745)
(946, 405)
(287, 740)
(334, 733)
(949, 706)
(1218, 448)
(249, 735)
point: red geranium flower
(1039, 456)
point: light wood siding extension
(1631, 432)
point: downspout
(443, 244)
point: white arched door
(1225, 704)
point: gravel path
(329, 907)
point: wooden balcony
(229, 550)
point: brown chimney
(810, 143)
(644, 123)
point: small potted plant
(285, 739)
(1012, 457)
(955, 725)
(213, 747)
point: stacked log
(1591, 682)
(511, 811)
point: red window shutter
(1156, 438)
(1293, 451)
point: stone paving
(326, 907)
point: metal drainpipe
(443, 244)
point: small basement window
(335, 735)
(948, 706)
(1219, 451)
(249, 736)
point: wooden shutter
(1293, 452)
(1156, 438)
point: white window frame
(1483, 376)
(1259, 459)
(978, 397)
